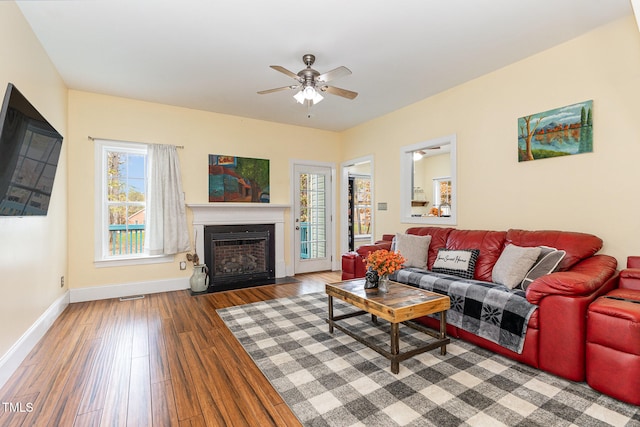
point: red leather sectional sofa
(555, 340)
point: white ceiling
(214, 55)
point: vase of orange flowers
(384, 262)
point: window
(442, 191)
(362, 205)
(121, 202)
(313, 238)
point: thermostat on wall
(382, 206)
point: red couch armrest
(563, 301)
(365, 250)
(630, 279)
(353, 265)
(583, 279)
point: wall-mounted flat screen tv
(29, 153)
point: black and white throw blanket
(488, 310)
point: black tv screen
(29, 153)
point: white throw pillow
(513, 265)
(414, 249)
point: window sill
(121, 262)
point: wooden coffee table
(400, 304)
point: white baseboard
(128, 289)
(19, 351)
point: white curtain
(166, 218)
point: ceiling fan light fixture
(299, 97)
(317, 97)
(309, 93)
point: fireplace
(239, 256)
(242, 214)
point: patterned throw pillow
(457, 262)
(547, 263)
(513, 265)
(414, 249)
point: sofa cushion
(414, 249)
(577, 246)
(490, 244)
(459, 262)
(513, 265)
(439, 236)
(548, 262)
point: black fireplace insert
(239, 256)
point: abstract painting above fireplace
(238, 179)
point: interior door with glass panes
(312, 221)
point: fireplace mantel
(241, 213)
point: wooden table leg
(443, 331)
(395, 348)
(330, 299)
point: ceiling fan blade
(278, 89)
(333, 74)
(285, 71)
(339, 91)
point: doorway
(312, 210)
(357, 213)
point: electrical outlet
(62, 281)
(183, 265)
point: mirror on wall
(428, 182)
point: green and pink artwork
(559, 132)
(238, 179)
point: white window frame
(101, 218)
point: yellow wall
(594, 193)
(201, 133)
(33, 250)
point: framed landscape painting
(559, 132)
(238, 179)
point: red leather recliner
(613, 338)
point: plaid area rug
(333, 380)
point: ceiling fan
(311, 82)
(419, 154)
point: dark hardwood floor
(164, 360)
